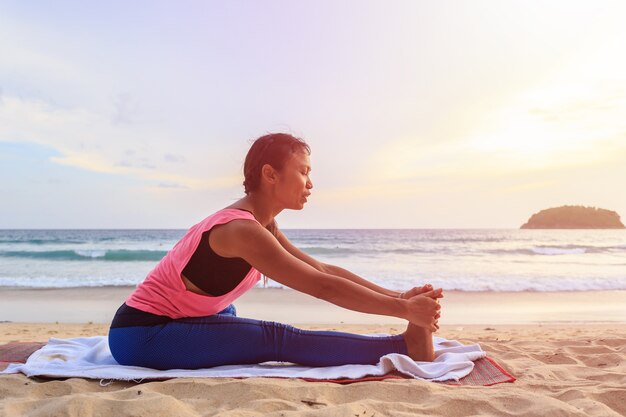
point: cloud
(92, 142)
(550, 128)
(174, 158)
(575, 108)
(171, 185)
(124, 109)
(140, 163)
(526, 186)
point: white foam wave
(558, 251)
(469, 284)
(57, 282)
(91, 253)
(505, 284)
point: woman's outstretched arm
(341, 272)
(249, 240)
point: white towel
(90, 357)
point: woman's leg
(419, 342)
(223, 339)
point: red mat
(17, 352)
(486, 371)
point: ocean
(467, 260)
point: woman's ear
(268, 173)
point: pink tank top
(163, 291)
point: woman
(182, 316)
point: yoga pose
(182, 316)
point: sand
(568, 351)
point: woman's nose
(309, 184)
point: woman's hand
(417, 291)
(424, 309)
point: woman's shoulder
(229, 238)
(234, 219)
(218, 219)
(228, 214)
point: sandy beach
(567, 351)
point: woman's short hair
(273, 149)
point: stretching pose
(182, 316)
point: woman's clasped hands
(423, 306)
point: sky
(450, 114)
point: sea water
(467, 260)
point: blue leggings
(225, 339)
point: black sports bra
(214, 274)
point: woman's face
(294, 185)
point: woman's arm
(331, 269)
(344, 273)
(249, 240)
(340, 272)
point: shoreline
(98, 305)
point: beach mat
(486, 372)
(17, 352)
(465, 365)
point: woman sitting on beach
(182, 316)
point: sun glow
(554, 125)
(545, 129)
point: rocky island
(574, 217)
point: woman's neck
(262, 211)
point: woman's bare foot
(419, 342)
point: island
(574, 217)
